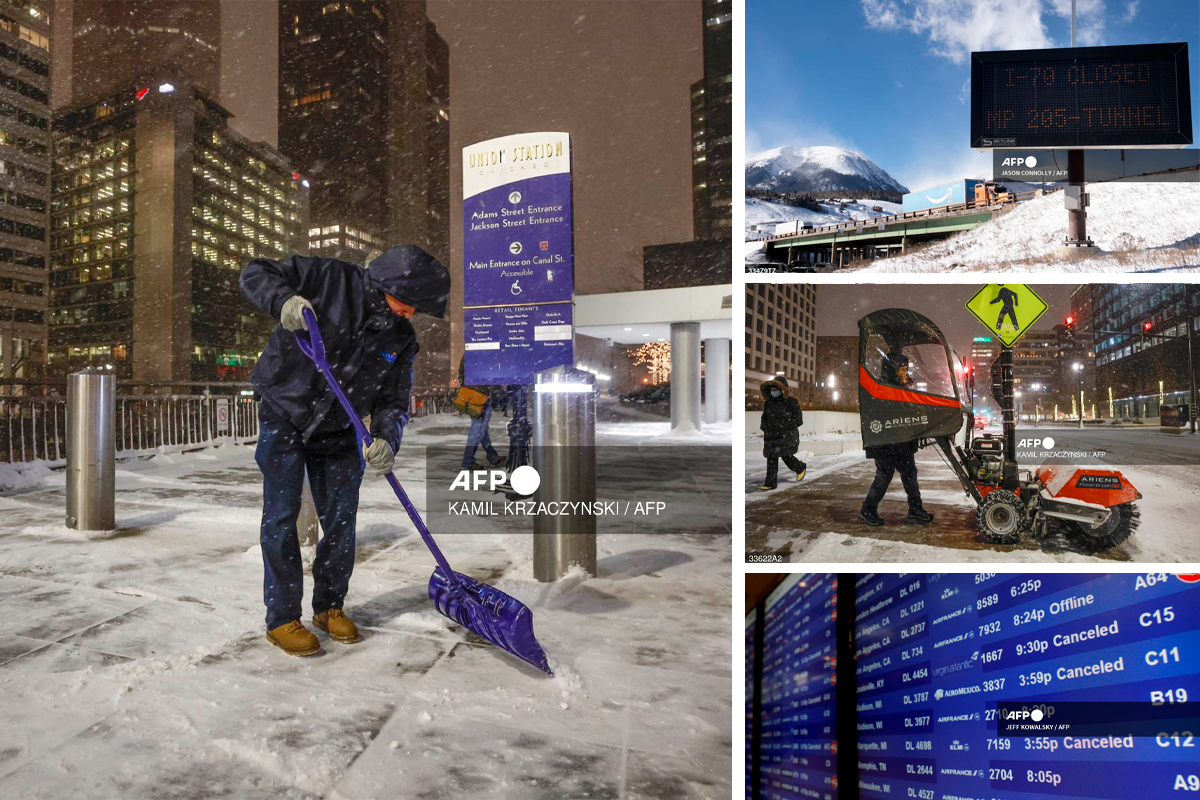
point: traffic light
(1146, 326)
(1069, 333)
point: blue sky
(888, 78)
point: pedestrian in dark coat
(893, 458)
(781, 421)
(478, 434)
(364, 318)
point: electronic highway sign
(1126, 96)
(798, 751)
(939, 657)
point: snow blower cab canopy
(910, 382)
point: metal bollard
(564, 454)
(91, 450)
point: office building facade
(24, 186)
(112, 41)
(157, 205)
(712, 126)
(781, 334)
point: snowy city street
(133, 663)
(817, 519)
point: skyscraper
(705, 259)
(364, 112)
(781, 337)
(115, 40)
(712, 126)
(157, 205)
(24, 185)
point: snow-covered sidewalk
(816, 520)
(134, 665)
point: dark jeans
(792, 462)
(885, 468)
(479, 435)
(334, 464)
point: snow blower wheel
(1002, 517)
(1120, 524)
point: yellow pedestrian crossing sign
(1007, 310)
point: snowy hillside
(816, 169)
(1141, 226)
(764, 214)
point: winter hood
(775, 383)
(414, 277)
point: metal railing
(150, 417)
(940, 211)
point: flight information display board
(1125, 96)
(935, 653)
(798, 752)
(751, 618)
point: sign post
(519, 299)
(221, 409)
(1007, 311)
(518, 257)
(1081, 98)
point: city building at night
(781, 334)
(706, 259)
(156, 207)
(369, 129)
(837, 369)
(24, 186)
(364, 113)
(1035, 364)
(712, 126)
(1143, 363)
(115, 40)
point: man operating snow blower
(364, 317)
(893, 458)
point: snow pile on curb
(1141, 226)
(22, 476)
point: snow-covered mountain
(816, 169)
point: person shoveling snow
(364, 316)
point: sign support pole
(1010, 420)
(1077, 217)
(1191, 364)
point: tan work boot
(337, 625)
(294, 639)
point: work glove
(291, 316)
(379, 456)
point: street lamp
(1079, 369)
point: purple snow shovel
(484, 610)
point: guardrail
(33, 417)
(939, 211)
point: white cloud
(933, 168)
(901, 85)
(882, 14)
(1131, 9)
(767, 134)
(965, 92)
(955, 28)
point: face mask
(775, 393)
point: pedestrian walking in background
(781, 421)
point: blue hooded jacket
(370, 349)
